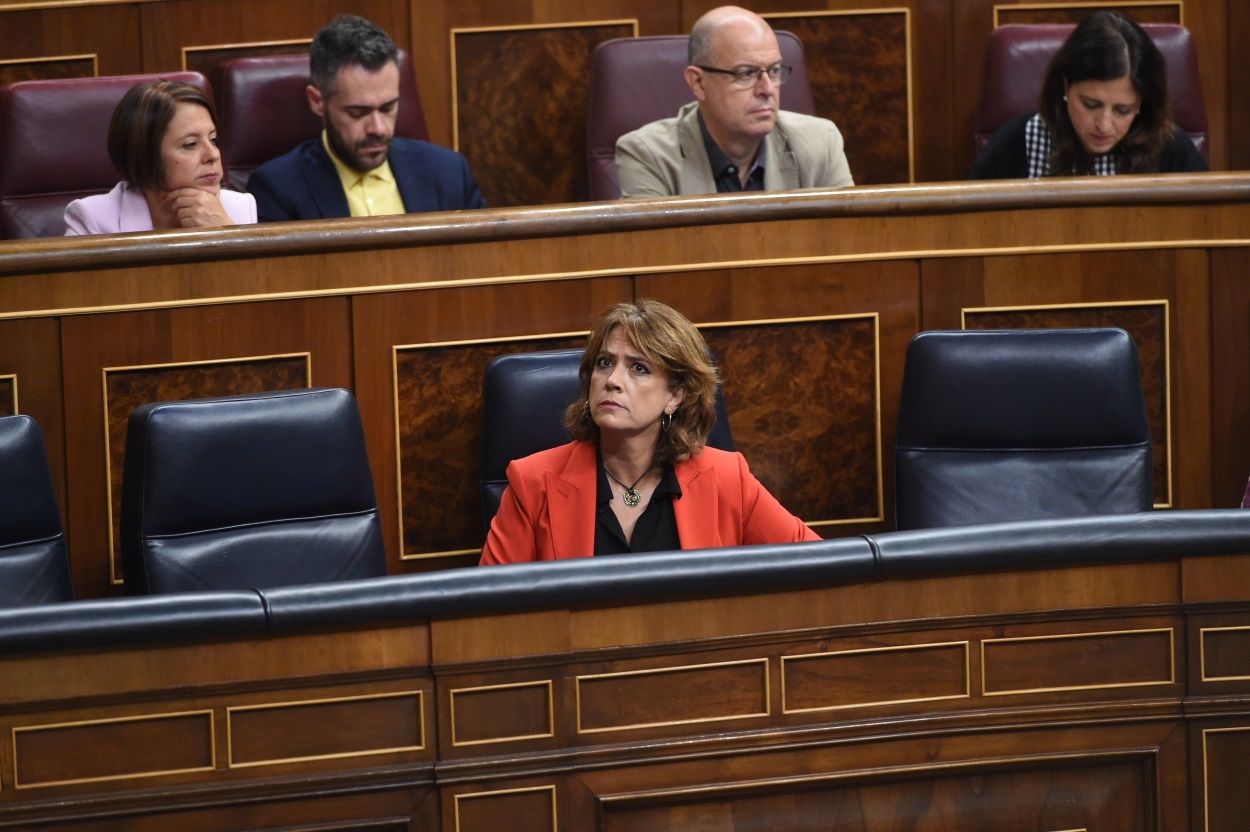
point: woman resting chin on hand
(163, 141)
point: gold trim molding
(1171, 680)
(551, 718)
(48, 59)
(13, 378)
(209, 47)
(1206, 780)
(555, 824)
(1090, 6)
(1202, 654)
(802, 657)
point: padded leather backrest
(264, 110)
(248, 491)
(523, 413)
(1018, 425)
(34, 564)
(54, 146)
(635, 81)
(1015, 66)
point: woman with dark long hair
(1104, 109)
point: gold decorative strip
(12, 379)
(1094, 6)
(232, 710)
(108, 461)
(807, 657)
(35, 729)
(455, 88)
(1206, 780)
(663, 670)
(1167, 357)
(1059, 636)
(50, 59)
(911, 107)
(1202, 654)
(551, 719)
(467, 796)
(257, 44)
(69, 4)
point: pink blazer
(125, 209)
(548, 510)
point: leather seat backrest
(1015, 66)
(264, 110)
(34, 564)
(523, 404)
(1001, 425)
(248, 491)
(635, 81)
(54, 146)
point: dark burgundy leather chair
(635, 81)
(1001, 425)
(1018, 54)
(53, 146)
(523, 403)
(263, 110)
(248, 492)
(34, 564)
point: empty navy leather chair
(523, 413)
(34, 565)
(249, 491)
(1020, 425)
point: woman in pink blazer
(163, 141)
(638, 476)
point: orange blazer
(548, 509)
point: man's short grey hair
(348, 40)
(700, 48)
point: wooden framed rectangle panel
(1078, 661)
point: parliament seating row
(992, 547)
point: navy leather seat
(523, 413)
(1018, 425)
(34, 564)
(249, 491)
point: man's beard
(348, 155)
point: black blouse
(656, 529)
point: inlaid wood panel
(203, 59)
(859, 68)
(126, 388)
(1225, 798)
(8, 394)
(1230, 354)
(526, 809)
(520, 98)
(30, 383)
(1225, 654)
(661, 696)
(47, 68)
(1077, 661)
(502, 713)
(1074, 12)
(875, 676)
(168, 354)
(1147, 323)
(1060, 794)
(141, 746)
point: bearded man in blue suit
(357, 167)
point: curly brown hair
(665, 337)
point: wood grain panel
(812, 437)
(30, 372)
(502, 713)
(859, 68)
(1225, 798)
(195, 335)
(1238, 35)
(327, 729)
(1225, 653)
(530, 809)
(126, 388)
(109, 32)
(875, 676)
(520, 108)
(141, 746)
(672, 696)
(204, 59)
(1076, 794)
(47, 68)
(8, 395)
(1075, 12)
(1230, 356)
(1078, 661)
(1148, 326)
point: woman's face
(628, 392)
(189, 154)
(1102, 112)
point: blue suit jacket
(304, 184)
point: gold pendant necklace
(631, 497)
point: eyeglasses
(749, 76)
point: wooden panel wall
(506, 82)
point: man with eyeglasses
(733, 136)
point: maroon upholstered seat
(1016, 61)
(54, 146)
(635, 81)
(263, 110)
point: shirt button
(733, 169)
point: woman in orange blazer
(638, 476)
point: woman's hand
(195, 208)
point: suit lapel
(694, 176)
(414, 186)
(571, 502)
(324, 185)
(781, 170)
(698, 509)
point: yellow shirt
(373, 193)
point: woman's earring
(666, 419)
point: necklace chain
(631, 497)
